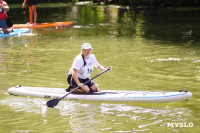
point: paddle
(54, 102)
(24, 12)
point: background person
(81, 70)
(32, 10)
(3, 15)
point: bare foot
(29, 23)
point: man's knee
(86, 89)
(95, 88)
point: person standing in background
(32, 10)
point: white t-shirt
(84, 71)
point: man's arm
(5, 6)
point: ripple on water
(83, 116)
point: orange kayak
(44, 25)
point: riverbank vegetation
(173, 3)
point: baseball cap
(87, 46)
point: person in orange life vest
(3, 15)
(81, 70)
(32, 10)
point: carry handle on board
(54, 102)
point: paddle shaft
(84, 84)
(24, 12)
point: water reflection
(99, 116)
(166, 24)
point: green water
(149, 49)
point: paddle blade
(52, 103)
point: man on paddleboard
(81, 70)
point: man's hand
(109, 68)
(81, 85)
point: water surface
(150, 49)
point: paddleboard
(43, 25)
(103, 95)
(14, 33)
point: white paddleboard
(103, 95)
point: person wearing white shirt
(81, 70)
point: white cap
(86, 46)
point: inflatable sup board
(43, 25)
(14, 33)
(104, 95)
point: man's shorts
(73, 84)
(3, 24)
(32, 2)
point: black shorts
(32, 2)
(3, 24)
(73, 84)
